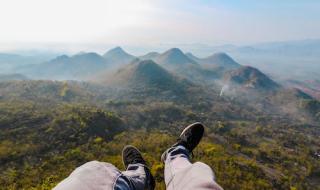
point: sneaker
(131, 155)
(189, 138)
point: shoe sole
(191, 125)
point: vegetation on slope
(41, 146)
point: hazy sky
(154, 22)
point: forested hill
(260, 133)
(48, 128)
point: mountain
(84, 121)
(150, 55)
(78, 66)
(174, 57)
(250, 78)
(10, 77)
(117, 56)
(296, 103)
(282, 58)
(209, 71)
(311, 87)
(10, 62)
(7, 59)
(143, 74)
(254, 88)
(193, 57)
(220, 60)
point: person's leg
(91, 175)
(96, 175)
(176, 160)
(180, 173)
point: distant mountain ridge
(174, 57)
(220, 59)
(218, 66)
(78, 66)
(117, 56)
(193, 57)
(150, 55)
(311, 87)
(251, 78)
(84, 65)
(9, 63)
(141, 74)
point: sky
(76, 24)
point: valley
(57, 115)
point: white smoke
(223, 89)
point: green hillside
(49, 128)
